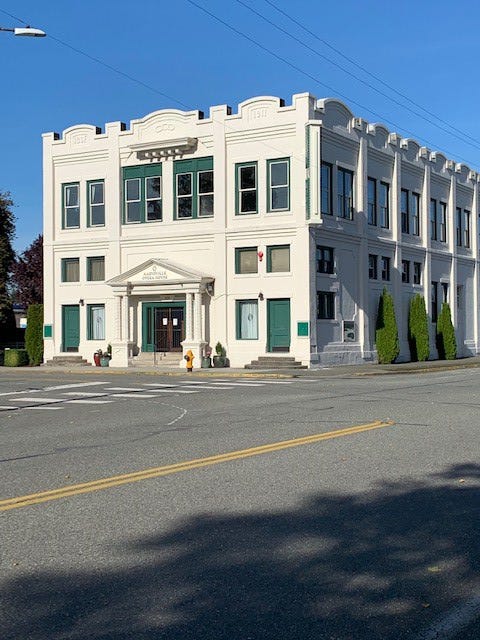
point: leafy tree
(34, 334)
(418, 337)
(386, 334)
(446, 341)
(7, 254)
(27, 274)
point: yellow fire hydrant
(189, 357)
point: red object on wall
(96, 359)
(260, 255)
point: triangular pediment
(157, 271)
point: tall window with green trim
(246, 188)
(70, 270)
(278, 177)
(278, 258)
(96, 269)
(71, 205)
(246, 260)
(247, 319)
(194, 188)
(95, 322)
(142, 194)
(96, 203)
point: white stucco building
(272, 229)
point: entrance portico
(159, 306)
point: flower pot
(219, 361)
(96, 359)
(206, 362)
(104, 361)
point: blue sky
(425, 50)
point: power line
(315, 79)
(366, 71)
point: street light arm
(25, 31)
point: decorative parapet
(164, 148)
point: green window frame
(68, 266)
(239, 260)
(96, 203)
(271, 267)
(96, 269)
(246, 314)
(246, 191)
(71, 205)
(278, 185)
(142, 194)
(96, 314)
(193, 188)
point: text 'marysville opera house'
(272, 230)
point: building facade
(271, 230)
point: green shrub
(15, 358)
(386, 334)
(446, 342)
(34, 334)
(418, 337)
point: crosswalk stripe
(85, 401)
(276, 381)
(86, 394)
(185, 386)
(5, 408)
(50, 408)
(123, 389)
(123, 395)
(174, 391)
(157, 384)
(73, 386)
(41, 400)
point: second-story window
(194, 188)
(96, 203)
(372, 266)
(417, 273)
(247, 188)
(443, 221)
(278, 184)
(384, 202)
(415, 214)
(385, 268)
(466, 228)
(96, 268)
(345, 194)
(326, 188)
(458, 226)
(325, 262)
(142, 194)
(433, 219)
(71, 206)
(405, 271)
(372, 201)
(405, 211)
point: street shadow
(379, 566)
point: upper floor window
(405, 271)
(372, 266)
(71, 206)
(385, 268)
(433, 219)
(96, 268)
(466, 228)
(142, 193)
(415, 214)
(247, 188)
(278, 176)
(96, 203)
(246, 260)
(194, 188)
(434, 299)
(326, 188)
(417, 273)
(345, 193)
(278, 259)
(70, 270)
(384, 202)
(443, 221)
(458, 226)
(405, 211)
(325, 305)
(372, 201)
(325, 262)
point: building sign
(154, 274)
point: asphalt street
(188, 507)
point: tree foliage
(446, 341)
(386, 334)
(7, 255)
(418, 337)
(27, 274)
(34, 334)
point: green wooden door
(70, 327)
(278, 325)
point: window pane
(247, 261)
(71, 270)
(205, 182)
(184, 207)
(97, 215)
(248, 201)
(96, 268)
(278, 174)
(279, 259)
(184, 184)
(248, 177)
(153, 188)
(72, 218)
(326, 184)
(206, 205)
(71, 196)
(248, 317)
(154, 210)
(280, 198)
(96, 193)
(96, 322)
(132, 188)
(134, 211)
(325, 305)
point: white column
(125, 318)
(118, 316)
(451, 239)
(361, 211)
(474, 243)
(197, 318)
(189, 318)
(397, 256)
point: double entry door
(163, 326)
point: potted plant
(105, 356)
(97, 357)
(220, 360)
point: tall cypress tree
(7, 255)
(386, 334)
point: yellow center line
(157, 472)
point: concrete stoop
(67, 361)
(275, 362)
(169, 360)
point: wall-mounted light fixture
(260, 296)
(81, 302)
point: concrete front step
(68, 361)
(165, 360)
(275, 362)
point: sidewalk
(327, 372)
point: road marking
(185, 386)
(174, 390)
(49, 408)
(72, 386)
(85, 401)
(41, 400)
(276, 381)
(134, 389)
(157, 472)
(456, 619)
(156, 384)
(85, 394)
(127, 395)
(5, 408)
